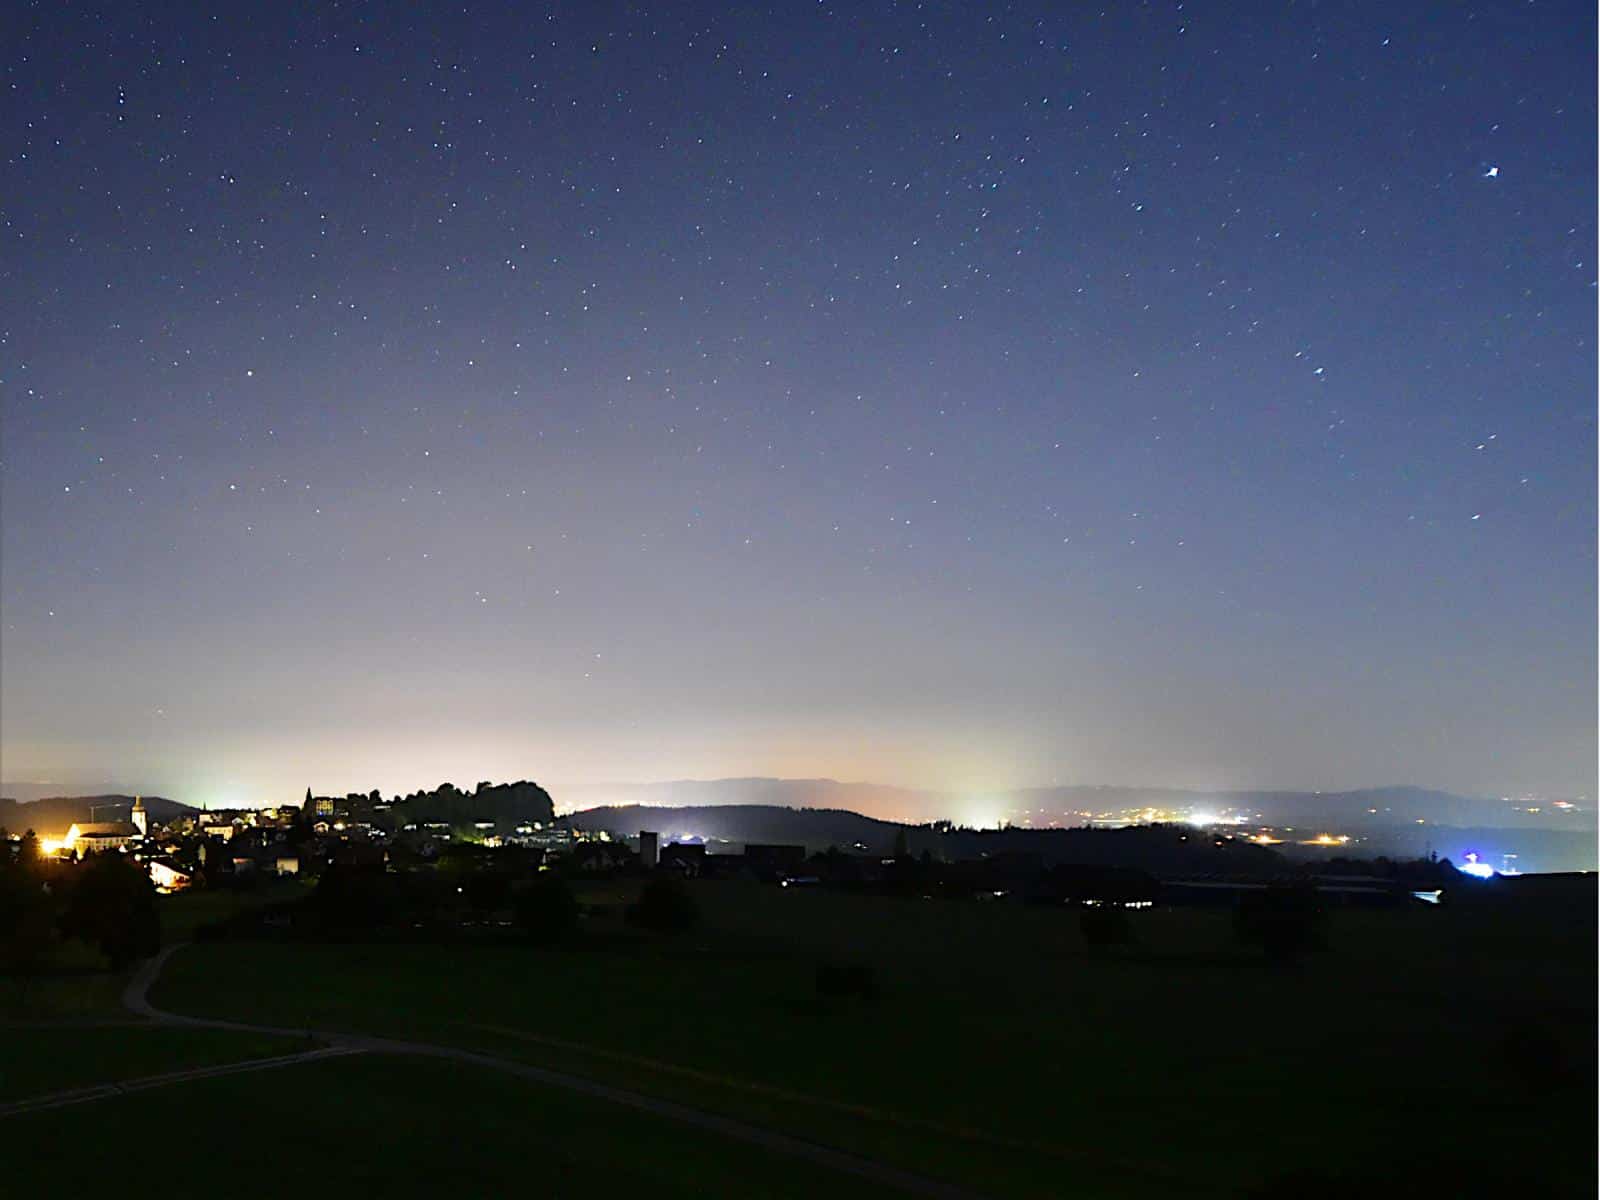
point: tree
(546, 910)
(901, 849)
(112, 905)
(664, 906)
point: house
(600, 858)
(686, 857)
(168, 876)
(91, 837)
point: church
(92, 837)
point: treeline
(520, 801)
(445, 804)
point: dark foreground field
(391, 1127)
(1421, 1046)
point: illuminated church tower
(140, 818)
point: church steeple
(141, 819)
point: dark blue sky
(945, 395)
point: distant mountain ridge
(54, 815)
(1158, 848)
(883, 801)
(819, 828)
(1350, 810)
(28, 790)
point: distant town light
(1328, 839)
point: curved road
(136, 996)
(100, 1091)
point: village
(239, 846)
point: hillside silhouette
(54, 815)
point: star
(1492, 173)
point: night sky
(946, 395)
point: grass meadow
(1002, 1054)
(391, 1127)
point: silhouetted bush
(844, 981)
(1284, 920)
(1105, 925)
(664, 906)
(546, 910)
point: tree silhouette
(112, 905)
(27, 916)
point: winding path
(136, 997)
(101, 1091)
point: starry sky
(949, 395)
